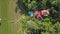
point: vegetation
(5, 23)
(49, 25)
(30, 25)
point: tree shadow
(22, 7)
(0, 23)
(16, 9)
(38, 31)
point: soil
(13, 16)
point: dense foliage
(48, 25)
(32, 26)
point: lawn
(5, 26)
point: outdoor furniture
(45, 12)
(38, 15)
(31, 13)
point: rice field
(5, 24)
(7, 16)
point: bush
(48, 25)
(31, 25)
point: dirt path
(13, 16)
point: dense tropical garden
(40, 16)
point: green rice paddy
(5, 23)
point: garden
(40, 16)
(37, 17)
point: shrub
(31, 25)
(46, 26)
